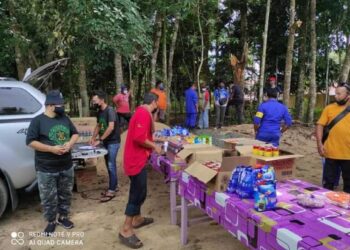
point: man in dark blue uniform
(191, 99)
(268, 120)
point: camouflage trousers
(55, 191)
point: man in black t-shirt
(52, 135)
(236, 100)
(107, 129)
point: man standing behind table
(107, 129)
(336, 147)
(268, 125)
(52, 136)
(138, 147)
(121, 101)
(203, 122)
(221, 97)
(162, 101)
(191, 99)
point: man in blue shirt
(221, 97)
(267, 121)
(191, 99)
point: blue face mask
(161, 87)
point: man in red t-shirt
(203, 122)
(138, 147)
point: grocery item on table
(245, 187)
(233, 183)
(265, 197)
(340, 199)
(310, 201)
(267, 151)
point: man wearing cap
(336, 147)
(52, 136)
(268, 124)
(122, 104)
(162, 101)
(272, 85)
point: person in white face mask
(122, 103)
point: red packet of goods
(340, 199)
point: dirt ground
(97, 224)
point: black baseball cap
(54, 97)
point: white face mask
(204, 89)
(125, 91)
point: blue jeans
(204, 119)
(55, 191)
(111, 165)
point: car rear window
(17, 101)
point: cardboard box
(284, 164)
(202, 154)
(218, 180)
(85, 179)
(85, 127)
(232, 143)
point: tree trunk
(202, 48)
(263, 57)
(118, 70)
(243, 41)
(312, 91)
(83, 87)
(289, 54)
(156, 44)
(19, 63)
(344, 74)
(299, 100)
(132, 86)
(170, 63)
(164, 55)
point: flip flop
(146, 221)
(132, 241)
(107, 197)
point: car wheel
(3, 196)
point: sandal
(107, 197)
(132, 241)
(146, 221)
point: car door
(19, 104)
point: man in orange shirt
(336, 148)
(162, 102)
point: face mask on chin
(59, 110)
(342, 102)
(96, 106)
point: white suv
(19, 103)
